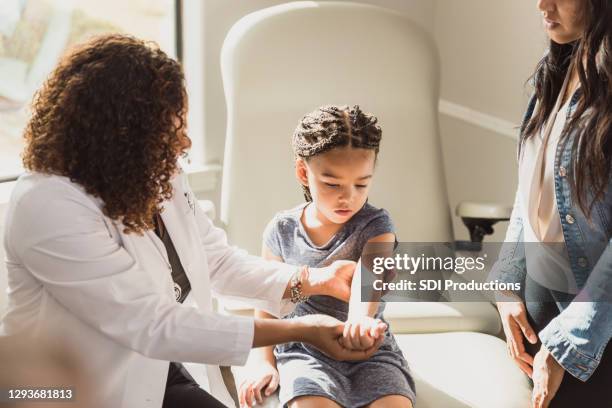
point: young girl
(335, 149)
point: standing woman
(109, 253)
(558, 242)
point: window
(33, 35)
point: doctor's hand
(333, 280)
(325, 333)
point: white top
(75, 275)
(547, 264)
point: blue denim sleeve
(510, 266)
(578, 336)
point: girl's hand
(514, 321)
(362, 333)
(325, 333)
(333, 280)
(547, 377)
(261, 382)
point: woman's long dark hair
(591, 149)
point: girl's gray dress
(303, 369)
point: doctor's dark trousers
(182, 391)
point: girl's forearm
(366, 304)
(357, 307)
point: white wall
(3, 273)
(488, 50)
(220, 15)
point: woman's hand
(261, 375)
(333, 280)
(325, 333)
(547, 377)
(516, 327)
(361, 333)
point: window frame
(178, 49)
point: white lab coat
(75, 275)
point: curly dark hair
(333, 126)
(111, 118)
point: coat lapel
(179, 220)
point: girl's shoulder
(281, 228)
(289, 217)
(370, 214)
(285, 221)
(371, 222)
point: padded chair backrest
(3, 272)
(282, 62)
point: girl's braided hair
(333, 126)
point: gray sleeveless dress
(303, 369)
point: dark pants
(183, 392)
(597, 390)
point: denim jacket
(578, 336)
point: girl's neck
(318, 227)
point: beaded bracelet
(297, 295)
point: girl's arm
(357, 308)
(360, 320)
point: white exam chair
(280, 63)
(3, 272)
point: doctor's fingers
(365, 336)
(355, 337)
(344, 268)
(351, 337)
(377, 343)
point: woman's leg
(596, 392)
(311, 401)
(392, 401)
(541, 309)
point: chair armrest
(479, 218)
(482, 210)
